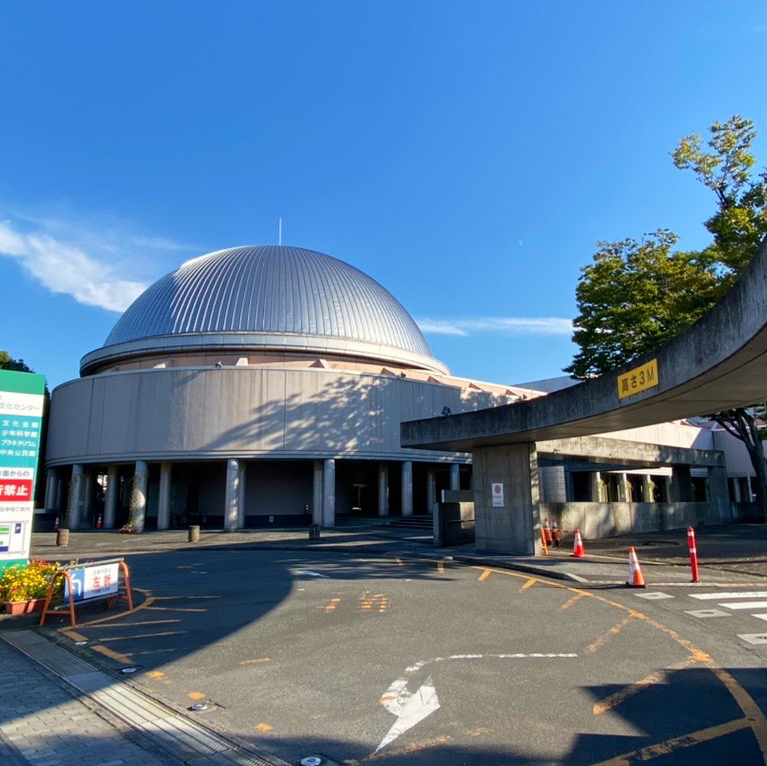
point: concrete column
(718, 492)
(624, 489)
(455, 476)
(668, 486)
(329, 493)
(681, 481)
(75, 499)
(647, 490)
(110, 499)
(89, 482)
(513, 526)
(163, 505)
(51, 480)
(383, 489)
(431, 491)
(231, 495)
(138, 496)
(595, 487)
(241, 495)
(407, 488)
(317, 492)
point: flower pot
(24, 607)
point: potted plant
(24, 588)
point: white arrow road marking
(409, 708)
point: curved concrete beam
(718, 363)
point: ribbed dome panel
(272, 290)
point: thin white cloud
(505, 325)
(96, 266)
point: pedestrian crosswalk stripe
(746, 605)
(760, 616)
(654, 595)
(731, 594)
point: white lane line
(730, 594)
(746, 605)
(760, 616)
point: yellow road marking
(137, 624)
(485, 575)
(142, 635)
(753, 713)
(73, 634)
(260, 661)
(603, 639)
(146, 604)
(613, 700)
(119, 656)
(529, 584)
(155, 674)
(264, 727)
(677, 743)
(174, 609)
(196, 696)
(332, 604)
(572, 601)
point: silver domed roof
(267, 297)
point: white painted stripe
(746, 605)
(760, 616)
(730, 594)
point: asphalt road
(416, 662)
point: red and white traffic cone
(693, 554)
(99, 522)
(56, 525)
(578, 550)
(635, 579)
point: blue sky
(467, 155)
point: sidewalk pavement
(42, 724)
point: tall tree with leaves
(637, 295)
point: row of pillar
(78, 504)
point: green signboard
(21, 416)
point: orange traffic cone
(578, 550)
(547, 532)
(635, 573)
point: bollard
(693, 554)
(194, 533)
(62, 536)
(314, 531)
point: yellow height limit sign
(638, 379)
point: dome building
(254, 386)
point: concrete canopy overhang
(718, 363)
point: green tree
(7, 362)
(637, 295)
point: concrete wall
(276, 412)
(597, 520)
